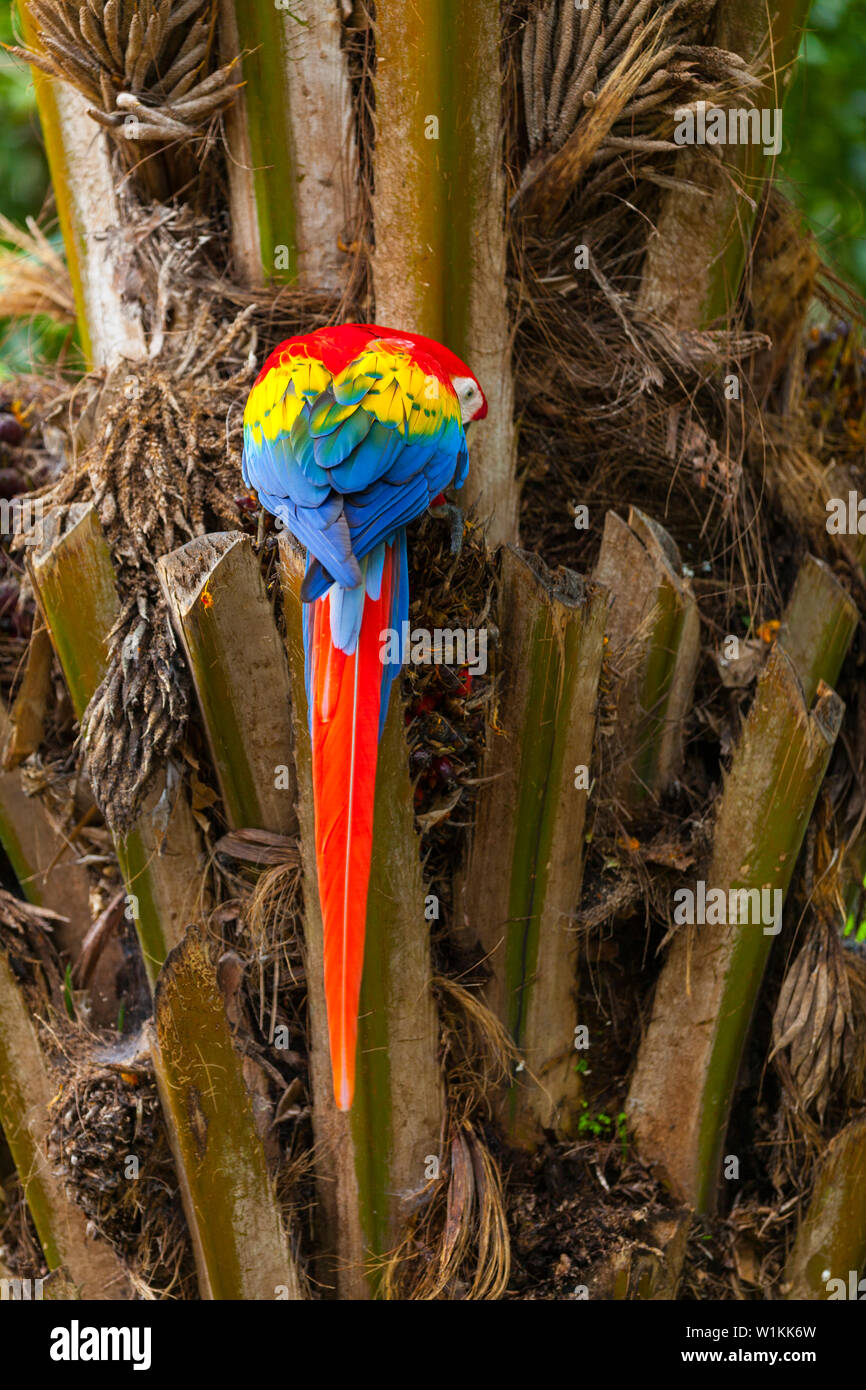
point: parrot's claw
(448, 511)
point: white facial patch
(469, 396)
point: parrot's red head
(473, 402)
(336, 347)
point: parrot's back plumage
(349, 434)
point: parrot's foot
(447, 511)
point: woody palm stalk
(293, 184)
(439, 211)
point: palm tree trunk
(439, 212)
(83, 180)
(292, 176)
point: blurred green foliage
(824, 155)
(23, 171)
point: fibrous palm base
(163, 467)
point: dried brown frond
(33, 276)
(109, 1144)
(458, 1247)
(164, 467)
(26, 937)
(813, 1022)
(604, 81)
(478, 1056)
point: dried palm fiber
(612, 403)
(456, 1244)
(464, 1251)
(33, 275)
(814, 1035)
(448, 707)
(25, 935)
(159, 474)
(20, 1251)
(272, 940)
(807, 407)
(813, 1022)
(359, 50)
(611, 407)
(743, 1255)
(172, 259)
(146, 68)
(105, 1118)
(478, 1055)
(604, 81)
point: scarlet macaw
(349, 434)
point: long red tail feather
(346, 696)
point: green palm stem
(440, 258)
(522, 884)
(162, 864)
(681, 1094)
(216, 596)
(242, 1250)
(831, 1237)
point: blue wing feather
(324, 531)
(338, 446)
